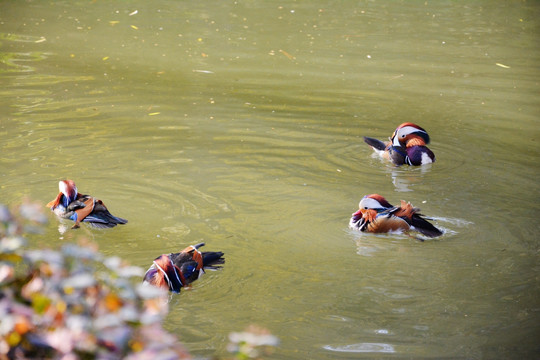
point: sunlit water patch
(362, 348)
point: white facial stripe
(406, 130)
(63, 187)
(369, 203)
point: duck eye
(365, 207)
(403, 135)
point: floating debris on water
(289, 56)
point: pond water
(240, 124)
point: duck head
(371, 205)
(409, 134)
(375, 202)
(69, 189)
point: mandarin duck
(406, 146)
(69, 204)
(177, 270)
(377, 215)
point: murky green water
(241, 123)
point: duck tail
(374, 143)
(100, 216)
(425, 227)
(211, 259)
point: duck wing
(413, 217)
(398, 155)
(190, 271)
(386, 222)
(100, 217)
(103, 219)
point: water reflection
(404, 180)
